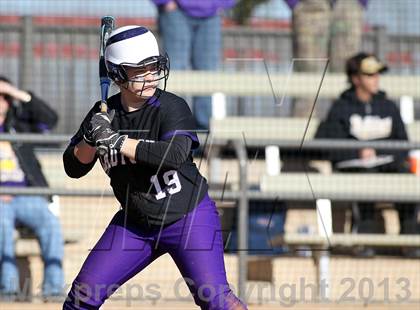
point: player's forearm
(76, 160)
(84, 152)
(129, 147)
(168, 154)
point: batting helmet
(134, 46)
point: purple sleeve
(364, 3)
(292, 3)
(160, 2)
(42, 127)
(191, 135)
(226, 4)
(178, 121)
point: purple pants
(194, 243)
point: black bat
(107, 25)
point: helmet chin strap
(125, 85)
(137, 95)
(123, 80)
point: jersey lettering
(114, 158)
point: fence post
(381, 42)
(242, 220)
(26, 54)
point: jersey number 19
(172, 183)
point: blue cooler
(266, 220)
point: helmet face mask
(135, 47)
(157, 67)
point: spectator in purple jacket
(191, 35)
(324, 29)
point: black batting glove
(102, 135)
(95, 125)
(108, 140)
(87, 137)
(86, 131)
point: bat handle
(105, 82)
(104, 106)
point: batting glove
(108, 140)
(102, 135)
(87, 134)
(97, 123)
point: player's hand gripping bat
(107, 25)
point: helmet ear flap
(116, 73)
(113, 76)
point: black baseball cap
(364, 63)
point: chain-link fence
(306, 219)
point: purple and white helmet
(134, 46)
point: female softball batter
(144, 144)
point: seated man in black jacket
(21, 111)
(364, 113)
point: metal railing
(243, 195)
(60, 64)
